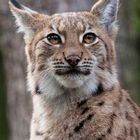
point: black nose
(73, 60)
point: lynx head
(69, 51)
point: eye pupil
(89, 38)
(54, 39)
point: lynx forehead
(71, 19)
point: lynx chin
(72, 75)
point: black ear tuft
(16, 4)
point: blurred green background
(15, 102)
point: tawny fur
(109, 116)
(87, 106)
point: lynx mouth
(72, 71)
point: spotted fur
(81, 103)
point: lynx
(72, 75)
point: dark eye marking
(89, 38)
(54, 39)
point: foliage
(134, 41)
(136, 16)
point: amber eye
(89, 38)
(54, 39)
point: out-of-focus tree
(3, 118)
(19, 107)
(129, 49)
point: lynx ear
(107, 11)
(26, 19)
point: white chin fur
(55, 86)
(71, 81)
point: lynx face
(70, 50)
